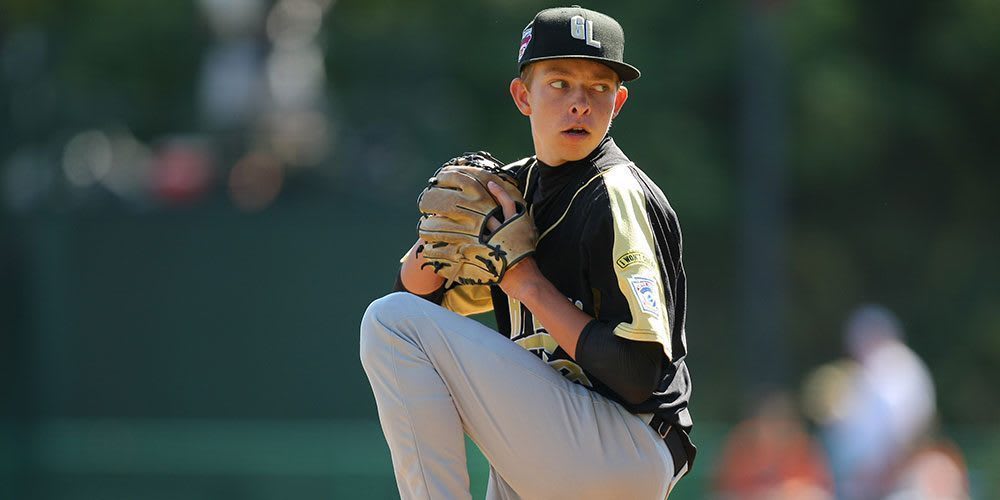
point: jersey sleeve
(627, 261)
(468, 299)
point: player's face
(570, 103)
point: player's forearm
(547, 304)
(631, 369)
(416, 280)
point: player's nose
(580, 103)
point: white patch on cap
(647, 292)
(582, 29)
(525, 39)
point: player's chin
(577, 146)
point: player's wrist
(524, 281)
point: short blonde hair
(526, 73)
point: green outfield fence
(92, 459)
(211, 354)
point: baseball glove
(455, 208)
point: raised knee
(385, 310)
(380, 317)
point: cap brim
(626, 72)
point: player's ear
(620, 97)
(519, 92)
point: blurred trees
(892, 177)
(85, 63)
(894, 165)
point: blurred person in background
(874, 409)
(936, 471)
(770, 455)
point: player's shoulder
(620, 173)
(626, 183)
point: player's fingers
(504, 199)
(492, 224)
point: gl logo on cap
(582, 29)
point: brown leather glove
(455, 208)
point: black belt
(675, 443)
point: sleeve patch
(633, 257)
(647, 294)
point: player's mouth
(576, 132)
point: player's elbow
(643, 384)
(635, 397)
(436, 296)
(632, 369)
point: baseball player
(584, 393)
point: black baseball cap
(575, 32)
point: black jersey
(610, 242)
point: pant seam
(409, 421)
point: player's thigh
(540, 430)
(577, 451)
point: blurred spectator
(936, 471)
(231, 86)
(771, 456)
(875, 409)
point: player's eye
(601, 87)
(558, 84)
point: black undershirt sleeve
(630, 368)
(437, 296)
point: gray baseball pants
(437, 375)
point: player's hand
(506, 204)
(520, 278)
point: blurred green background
(199, 199)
